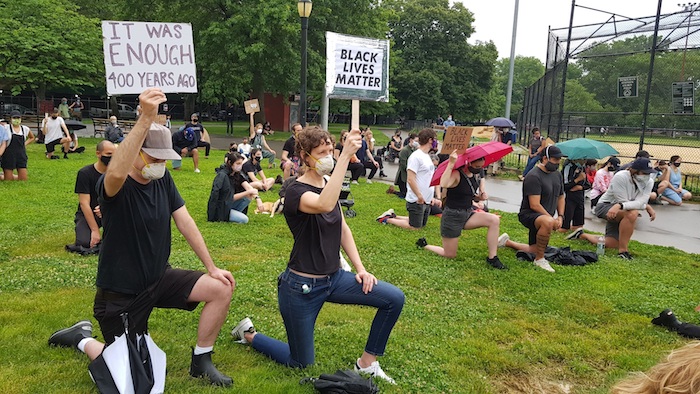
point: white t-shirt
(244, 149)
(420, 163)
(54, 131)
(5, 134)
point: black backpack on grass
(343, 382)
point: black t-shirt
(249, 166)
(316, 237)
(289, 146)
(85, 183)
(236, 180)
(549, 186)
(136, 239)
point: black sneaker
(625, 256)
(667, 319)
(71, 336)
(495, 262)
(202, 366)
(421, 243)
(576, 234)
(279, 179)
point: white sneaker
(196, 171)
(389, 213)
(369, 182)
(354, 182)
(375, 370)
(544, 264)
(593, 211)
(244, 326)
(503, 239)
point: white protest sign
(357, 68)
(140, 55)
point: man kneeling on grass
(620, 205)
(138, 198)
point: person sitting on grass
(252, 169)
(243, 148)
(313, 275)
(627, 195)
(231, 193)
(459, 213)
(673, 191)
(420, 196)
(543, 196)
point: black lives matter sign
(357, 67)
(140, 55)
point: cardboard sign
(483, 132)
(251, 106)
(548, 142)
(140, 55)
(357, 68)
(457, 137)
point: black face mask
(258, 158)
(611, 169)
(677, 164)
(105, 159)
(195, 120)
(474, 171)
(54, 117)
(551, 167)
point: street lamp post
(304, 7)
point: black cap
(615, 162)
(551, 151)
(643, 165)
(15, 114)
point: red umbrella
(491, 151)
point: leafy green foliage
(48, 44)
(464, 328)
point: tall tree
(47, 44)
(526, 71)
(440, 72)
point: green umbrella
(584, 148)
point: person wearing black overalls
(15, 155)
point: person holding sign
(462, 190)
(257, 140)
(138, 200)
(313, 275)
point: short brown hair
(425, 135)
(310, 138)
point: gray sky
(494, 19)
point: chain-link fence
(604, 94)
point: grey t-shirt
(549, 186)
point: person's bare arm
(124, 157)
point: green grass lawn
(465, 328)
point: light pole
(304, 7)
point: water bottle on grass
(600, 249)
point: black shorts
(171, 291)
(51, 146)
(417, 214)
(13, 160)
(453, 221)
(527, 219)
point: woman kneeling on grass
(460, 212)
(313, 276)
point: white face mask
(237, 168)
(152, 171)
(415, 144)
(324, 165)
(643, 179)
(259, 131)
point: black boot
(667, 319)
(202, 366)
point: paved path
(674, 226)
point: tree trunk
(190, 101)
(40, 93)
(113, 106)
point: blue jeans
(236, 214)
(299, 312)
(530, 164)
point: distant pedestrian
(77, 109)
(230, 114)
